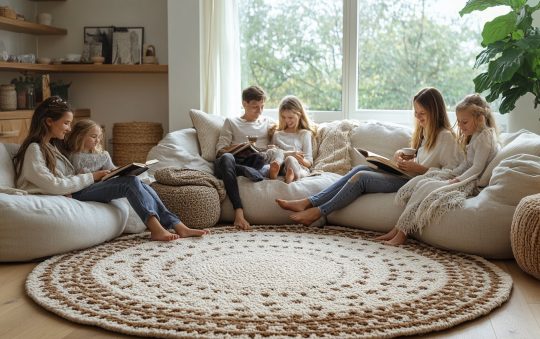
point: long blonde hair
(293, 104)
(79, 131)
(53, 108)
(481, 111)
(433, 102)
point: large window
(359, 58)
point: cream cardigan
(36, 178)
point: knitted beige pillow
(208, 127)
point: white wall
(111, 97)
(184, 61)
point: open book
(134, 168)
(246, 147)
(383, 163)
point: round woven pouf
(196, 206)
(525, 235)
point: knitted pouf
(525, 235)
(196, 206)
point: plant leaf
(503, 68)
(496, 90)
(499, 28)
(529, 42)
(524, 19)
(510, 97)
(480, 5)
(489, 53)
(516, 4)
(482, 82)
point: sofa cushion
(179, 149)
(333, 151)
(7, 179)
(383, 138)
(208, 127)
(513, 179)
(34, 226)
(521, 142)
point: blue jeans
(141, 197)
(361, 179)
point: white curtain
(221, 91)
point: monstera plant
(511, 52)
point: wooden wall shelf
(22, 26)
(27, 114)
(83, 68)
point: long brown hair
(432, 101)
(54, 108)
(75, 140)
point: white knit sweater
(38, 179)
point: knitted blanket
(333, 152)
(189, 177)
(428, 197)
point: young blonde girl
(293, 135)
(478, 137)
(85, 148)
(41, 168)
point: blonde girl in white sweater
(293, 135)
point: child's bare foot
(306, 217)
(274, 170)
(294, 205)
(184, 232)
(163, 235)
(240, 221)
(388, 235)
(398, 239)
(289, 175)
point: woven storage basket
(525, 235)
(196, 206)
(133, 140)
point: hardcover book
(134, 168)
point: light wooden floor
(20, 317)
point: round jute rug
(269, 282)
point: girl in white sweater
(41, 168)
(293, 135)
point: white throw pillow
(513, 179)
(7, 179)
(523, 142)
(208, 127)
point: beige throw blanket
(428, 197)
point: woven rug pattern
(273, 281)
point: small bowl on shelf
(43, 60)
(98, 60)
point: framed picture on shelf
(127, 45)
(99, 41)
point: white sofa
(482, 227)
(35, 226)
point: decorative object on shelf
(8, 12)
(43, 60)
(149, 55)
(60, 88)
(98, 60)
(73, 57)
(8, 98)
(101, 36)
(133, 140)
(44, 19)
(127, 45)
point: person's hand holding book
(98, 175)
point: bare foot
(398, 239)
(294, 205)
(289, 175)
(184, 232)
(240, 221)
(274, 170)
(388, 235)
(163, 235)
(306, 217)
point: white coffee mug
(44, 19)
